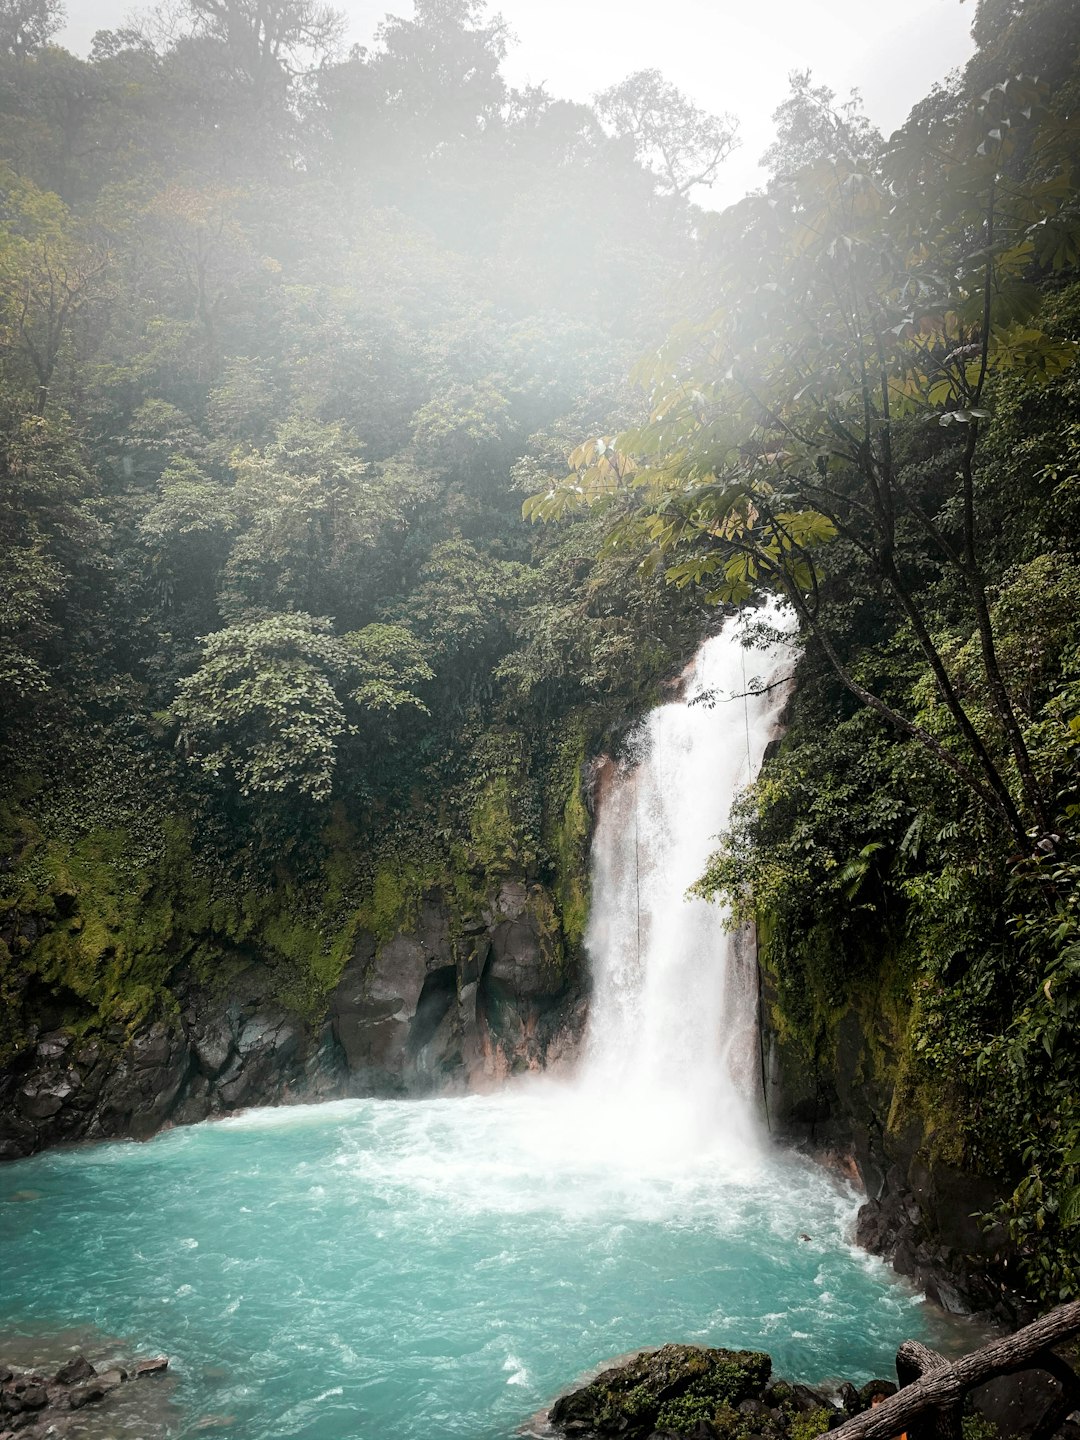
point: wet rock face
(198, 1063)
(919, 1212)
(438, 1008)
(455, 1008)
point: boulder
(849, 1398)
(53, 1044)
(676, 1388)
(81, 1395)
(151, 1366)
(374, 1004)
(212, 1043)
(807, 1400)
(41, 1098)
(26, 1382)
(75, 1370)
(1017, 1404)
(884, 1388)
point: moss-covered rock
(407, 971)
(670, 1390)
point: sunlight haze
(725, 57)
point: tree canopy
(869, 409)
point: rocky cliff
(846, 1103)
(439, 1006)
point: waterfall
(452, 1263)
(672, 1035)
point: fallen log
(928, 1405)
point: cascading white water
(672, 1027)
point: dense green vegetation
(285, 334)
(285, 338)
(872, 411)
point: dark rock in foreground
(75, 1371)
(688, 1390)
(691, 1390)
(33, 1405)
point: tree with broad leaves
(272, 700)
(850, 303)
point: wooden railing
(929, 1403)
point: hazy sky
(726, 56)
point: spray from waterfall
(672, 1038)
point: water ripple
(385, 1269)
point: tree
(263, 711)
(49, 273)
(681, 144)
(1041, 37)
(187, 533)
(462, 605)
(204, 262)
(269, 41)
(438, 72)
(51, 545)
(810, 126)
(27, 25)
(855, 302)
(272, 700)
(310, 512)
(243, 408)
(388, 662)
(464, 429)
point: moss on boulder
(670, 1390)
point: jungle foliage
(284, 334)
(870, 411)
